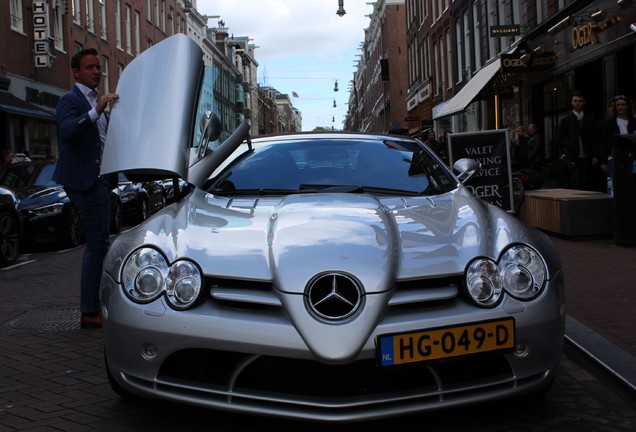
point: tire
(9, 238)
(73, 236)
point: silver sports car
(329, 277)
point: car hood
(37, 196)
(291, 239)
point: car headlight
(520, 271)
(146, 275)
(183, 284)
(46, 211)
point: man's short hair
(76, 60)
(578, 93)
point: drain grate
(43, 320)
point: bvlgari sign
(40, 34)
(505, 30)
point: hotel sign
(40, 34)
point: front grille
(289, 379)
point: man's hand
(106, 100)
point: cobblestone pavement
(52, 375)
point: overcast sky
(302, 47)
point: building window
(77, 18)
(58, 25)
(171, 21)
(15, 9)
(163, 15)
(105, 75)
(148, 10)
(476, 36)
(460, 50)
(137, 33)
(120, 70)
(102, 17)
(128, 31)
(449, 60)
(90, 16)
(118, 24)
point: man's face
(431, 135)
(90, 71)
(578, 103)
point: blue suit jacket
(80, 154)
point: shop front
(27, 118)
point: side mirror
(210, 126)
(465, 168)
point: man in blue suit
(82, 126)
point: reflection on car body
(140, 199)
(320, 276)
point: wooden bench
(568, 212)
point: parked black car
(45, 210)
(10, 230)
(140, 199)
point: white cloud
(303, 47)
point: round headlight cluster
(146, 275)
(520, 272)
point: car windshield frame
(307, 164)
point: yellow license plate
(445, 342)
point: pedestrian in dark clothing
(520, 160)
(82, 124)
(536, 149)
(576, 139)
(435, 145)
(620, 123)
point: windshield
(307, 164)
(27, 174)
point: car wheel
(74, 229)
(9, 238)
(113, 383)
(115, 217)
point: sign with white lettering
(505, 30)
(493, 182)
(40, 34)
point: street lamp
(341, 10)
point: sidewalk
(600, 289)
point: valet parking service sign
(493, 182)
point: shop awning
(469, 92)
(12, 105)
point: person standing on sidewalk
(82, 124)
(575, 138)
(535, 148)
(620, 123)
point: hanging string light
(340, 12)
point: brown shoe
(88, 321)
